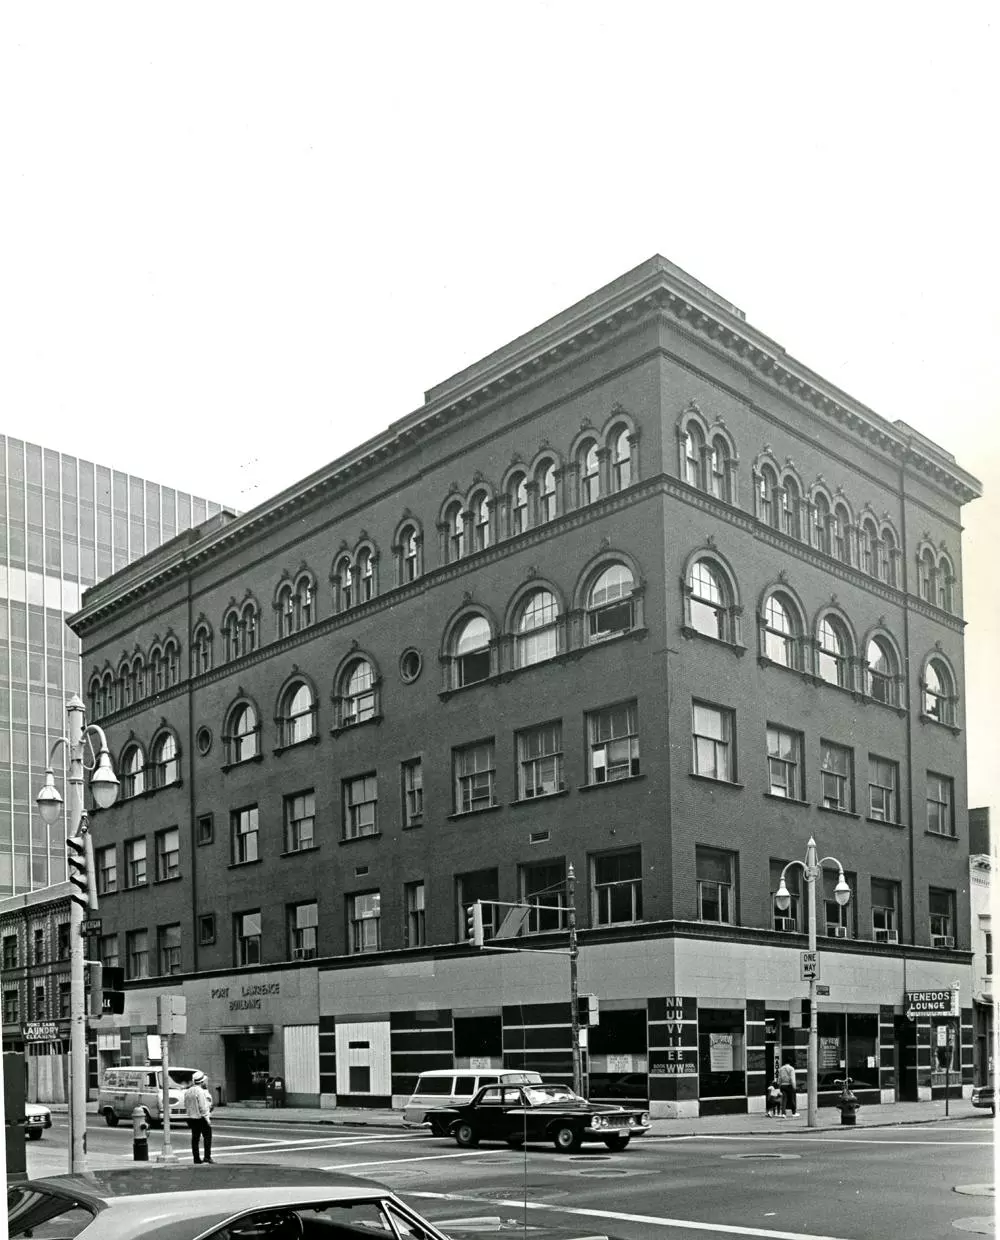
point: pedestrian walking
(775, 1099)
(786, 1079)
(198, 1105)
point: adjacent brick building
(638, 593)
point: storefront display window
(722, 1053)
(847, 1041)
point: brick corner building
(639, 593)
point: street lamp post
(104, 785)
(812, 869)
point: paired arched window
(887, 557)
(470, 651)
(240, 629)
(365, 575)
(107, 693)
(201, 650)
(882, 671)
(710, 600)
(791, 500)
(833, 652)
(694, 452)
(589, 466)
(767, 499)
(357, 693)
(720, 464)
(548, 507)
(840, 531)
(133, 771)
(408, 553)
(164, 766)
(868, 547)
(939, 696)
(123, 687)
(241, 736)
(344, 583)
(454, 520)
(537, 628)
(620, 442)
(945, 584)
(610, 603)
(157, 670)
(479, 510)
(517, 503)
(295, 604)
(926, 572)
(781, 630)
(296, 714)
(821, 524)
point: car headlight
(645, 1117)
(599, 1121)
(631, 1121)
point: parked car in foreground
(547, 1112)
(984, 1096)
(36, 1119)
(230, 1202)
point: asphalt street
(925, 1182)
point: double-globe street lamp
(812, 869)
(104, 786)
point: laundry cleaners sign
(931, 1002)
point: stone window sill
(711, 779)
(548, 796)
(357, 839)
(773, 796)
(842, 813)
(239, 865)
(611, 783)
(471, 813)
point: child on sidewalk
(775, 1099)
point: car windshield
(545, 1095)
(180, 1077)
(44, 1216)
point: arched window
(296, 714)
(945, 584)
(124, 684)
(537, 628)
(201, 650)
(709, 601)
(471, 651)
(694, 445)
(790, 500)
(781, 631)
(480, 510)
(138, 678)
(841, 531)
(249, 627)
(517, 500)
(232, 636)
(925, 575)
(133, 771)
(590, 472)
(939, 692)
(242, 734)
(610, 605)
(155, 670)
(357, 693)
(409, 554)
(547, 507)
(304, 603)
(164, 766)
(286, 611)
(882, 670)
(868, 546)
(107, 693)
(766, 488)
(821, 524)
(887, 557)
(366, 575)
(455, 522)
(172, 659)
(94, 697)
(621, 459)
(720, 463)
(833, 654)
(344, 575)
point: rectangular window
(836, 776)
(40, 1005)
(940, 804)
(247, 936)
(540, 761)
(841, 919)
(136, 954)
(109, 950)
(168, 948)
(10, 951)
(716, 885)
(941, 905)
(416, 929)
(790, 918)
(616, 887)
(360, 806)
(613, 735)
(206, 829)
(364, 913)
(39, 940)
(475, 777)
(413, 793)
(11, 1013)
(784, 763)
(883, 789)
(303, 925)
(206, 929)
(135, 862)
(885, 911)
(107, 870)
(245, 826)
(64, 1000)
(543, 888)
(711, 741)
(483, 885)
(300, 821)
(988, 951)
(62, 941)
(168, 854)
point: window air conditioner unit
(886, 936)
(837, 932)
(785, 923)
(302, 953)
(942, 940)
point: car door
(520, 1121)
(489, 1114)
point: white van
(124, 1089)
(448, 1087)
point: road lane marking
(653, 1220)
(803, 1139)
(392, 1162)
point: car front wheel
(111, 1118)
(34, 1134)
(617, 1142)
(466, 1136)
(567, 1139)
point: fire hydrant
(848, 1104)
(140, 1136)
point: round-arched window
(471, 651)
(133, 772)
(832, 656)
(621, 460)
(537, 632)
(590, 473)
(938, 693)
(610, 608)
(881, 671)
(708, 600)
(779, 632)
(358, 696)
(297, 717)
(243, 741)
(165, 767)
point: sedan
(36, 1119)
(241, 1202)
(521, 1113)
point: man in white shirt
(786, 1079)
(198, 1105)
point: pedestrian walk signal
(474, 924)
(798, 1013)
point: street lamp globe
(104, 781)
(841, 893)
(49, 801)
(782, 897)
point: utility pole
(574, 980)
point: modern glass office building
(64, 524)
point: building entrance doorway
(906, 1059)
(248, 1065)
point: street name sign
(91, 926)
(928, 1003)
(809, 962)
(40, 1031)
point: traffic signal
(82, 874)
(112, 990)
(474, 924)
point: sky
(242, 238)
